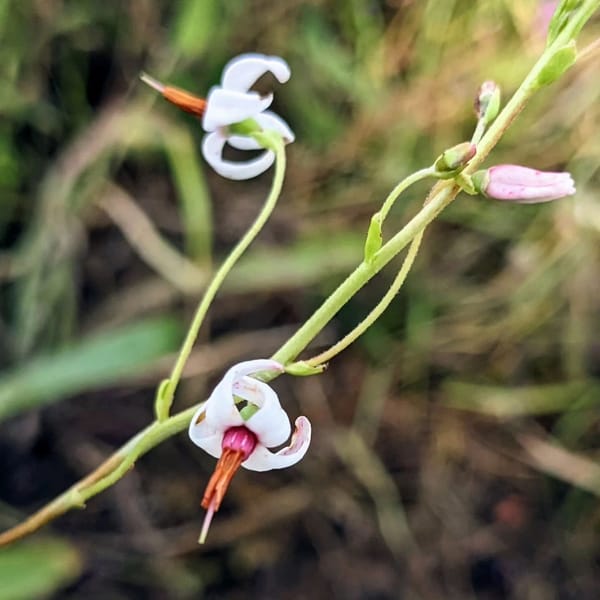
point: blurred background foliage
(455, 446)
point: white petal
(268, 120)
(212, 149)
(262, 459)
(225, 107)
(258, 365)
(204, 435)
(221, 411)
(270, 423)
(243, 142)
(241, 73)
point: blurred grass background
(455, 446)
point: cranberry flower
(238, 423)
(520, 184)
(229, 104)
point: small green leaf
(374, 238)
(303, 369)
(560, 62)
(455, 158)
(466, 184)
(37, 569)
(560, 18)
(163, 400)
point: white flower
(219, 428)
(270, 423)
(231, 103)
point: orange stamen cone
(184, 100)
(238, 443)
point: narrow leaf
(99, 360)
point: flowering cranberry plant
(243, 417)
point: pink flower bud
(487, 103)
(520, 184)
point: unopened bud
(487, 103)
(455, 158)
(514, 183)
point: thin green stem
(165, 399)
(403, 185)
(385, 301)
(479, 131)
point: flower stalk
(167, 388)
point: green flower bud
(487, 103)
(455, 158)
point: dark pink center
(239, 439)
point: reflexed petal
(243, 142)
(221, 411)
(251, 367)
(212, 149)
(204, 435)
(242, 72)
(265, 460)
(250, 389)
(269, 120)
(271, 423)
(211, 444)
(224, 107)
